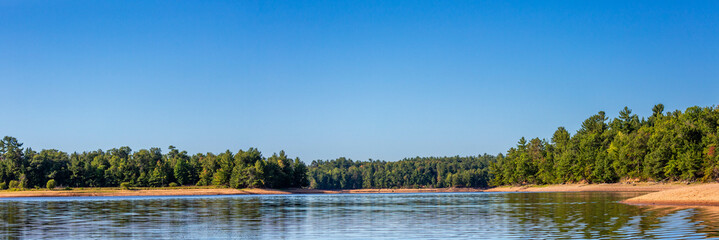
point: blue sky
(324, 79)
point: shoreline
(691, 195)
(207, 191)
(665, 194)
(600, 187)
(198, 190)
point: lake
(588, 215)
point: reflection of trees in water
(526, 215)
(135, 218)
(12, 216)
(589, 215)
(709, 217)
(705, 218)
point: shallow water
(353, 216)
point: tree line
(26, 168)
(672, 146)
(415, 172)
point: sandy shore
(658, 193)
(191, 191)
(140, 192)
(692, 195)
(666, 194)
(613, 187)
(86, 192)
(386, 190)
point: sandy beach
(666, 194)
(611, 187)
(94, 192)
(657, 193)
(694, 195)
(194, 191)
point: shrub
(14, 184)
(51, 184)
(125, 185)
(3, 185)
(172, 184)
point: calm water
(356, 216)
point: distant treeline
(26, 168)
(416, 172)
(671, 146)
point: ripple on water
(360, 216)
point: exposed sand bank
(139, 192)
(612, 187)
(658, 193)
(387, 190)
(692, 195)
(668, 194)
(85, 192)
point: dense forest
(26, 168)
(672, 146)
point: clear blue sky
(363, 79)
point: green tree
(51, 184)
(182, 172)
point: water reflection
(373, 216)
